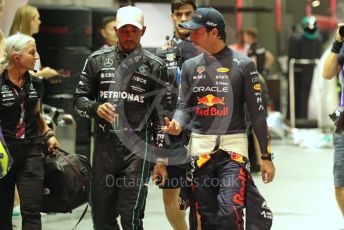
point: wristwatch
(268, 156)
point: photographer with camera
(333, 66)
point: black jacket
(135, 83)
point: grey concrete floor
(301, 196)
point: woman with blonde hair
(27, 21)
(24, 129)
(2, 38)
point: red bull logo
(212, 111)
(237, 157)
(203, 159)
(211, 100)
(239, 198)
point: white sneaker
(16, 212)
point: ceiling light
(316, 3)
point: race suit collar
(176, 39)
(125, 54)
(225, 52)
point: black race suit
(258, 51)
(134, 84)
(174, 53)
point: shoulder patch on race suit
(102, 51)
(143, 69)
(153, 57)
(200, 69)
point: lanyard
(21, 101)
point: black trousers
(303, 83)
(118, 185)
(27, 173)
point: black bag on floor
(66, 183)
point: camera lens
(341, 31)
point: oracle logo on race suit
(217, 89)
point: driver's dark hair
(221, 32)
(175, 4)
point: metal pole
(319, 106)
(291, 93)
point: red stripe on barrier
(278, 15)
(239, 4)
(308, 8)
(333, 8)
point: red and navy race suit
(134, 83)
(214, 89)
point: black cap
(205, 17)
